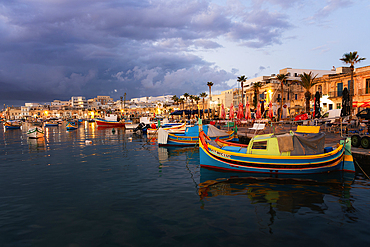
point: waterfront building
(13, 113)
(331, 87)
(79, 102)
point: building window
(367, 85)
(295, 96)
(339, 89)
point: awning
(363, 103)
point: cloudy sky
(55, 49)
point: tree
(282, 78)
(196, 99)
(351, 58)
(242, 79)
(191, 97)
(182, 101)
(307, 82)
(203, 95)
(210, 84)
(186, 95)
(256, 88)
(175, 99)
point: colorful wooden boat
(110, 120)
(71, 126)
(35, 132)
(291, 153)
(12, 125)
(191, 136)
(51, 124)
(169, 127)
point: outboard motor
(140, 129)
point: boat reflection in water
(286, 193)
(165, 153)
(36, 145)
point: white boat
(129, 125)
(35, 132)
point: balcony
(333, 94)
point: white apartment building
(79, 102)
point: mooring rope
(358, 164)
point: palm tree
(191, 97)
(307, 82)
(203, 95)
(282, 78)
(210, 84)
(242, 79)
(256, 88)
(175, 99)
(186, 95)
(182, 101)
(196, 99)
(351, 58)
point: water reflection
(283, 193)
(36, 145)
(165, 153)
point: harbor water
(108, 187)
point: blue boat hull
(215, 158)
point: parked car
(364, 114)
(331, 115)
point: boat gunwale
(262, 156)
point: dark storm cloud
(55, 49)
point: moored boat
(110, 120)
(50, 123)
(169, 127)
(291, 153)
(71, 126)
(191, 136)
(35, 132)
(12, 125)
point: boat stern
(348, 164)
